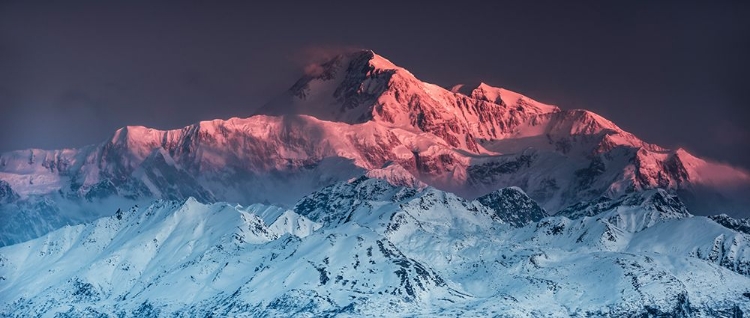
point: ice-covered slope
(218, 259)
(367, 248)
(361, 114)
(559, 157)
(35, 216)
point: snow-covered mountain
(361, 114)
(500, 138)
(368, 248)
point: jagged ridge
(363, 114)
(368, 246)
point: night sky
(673, 73)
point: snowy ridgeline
(362, 114)
(368, 248)
(617, 245)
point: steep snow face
(362, 86)
(503, 96)
(222, 258)
(365, 247)
(258, 159)
(214, 159)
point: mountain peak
(344, 88)
(362, 86)
(349, 61)
(359, 113)
(507, 97)
(501, 96)
(377, 61)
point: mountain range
(368, 248)
(362, 191)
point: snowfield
(368, 248)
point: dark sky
(674, 73)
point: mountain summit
(497, 127)
(360, 114)
(362, 86)
(344, 89)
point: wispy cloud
(310, 58)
